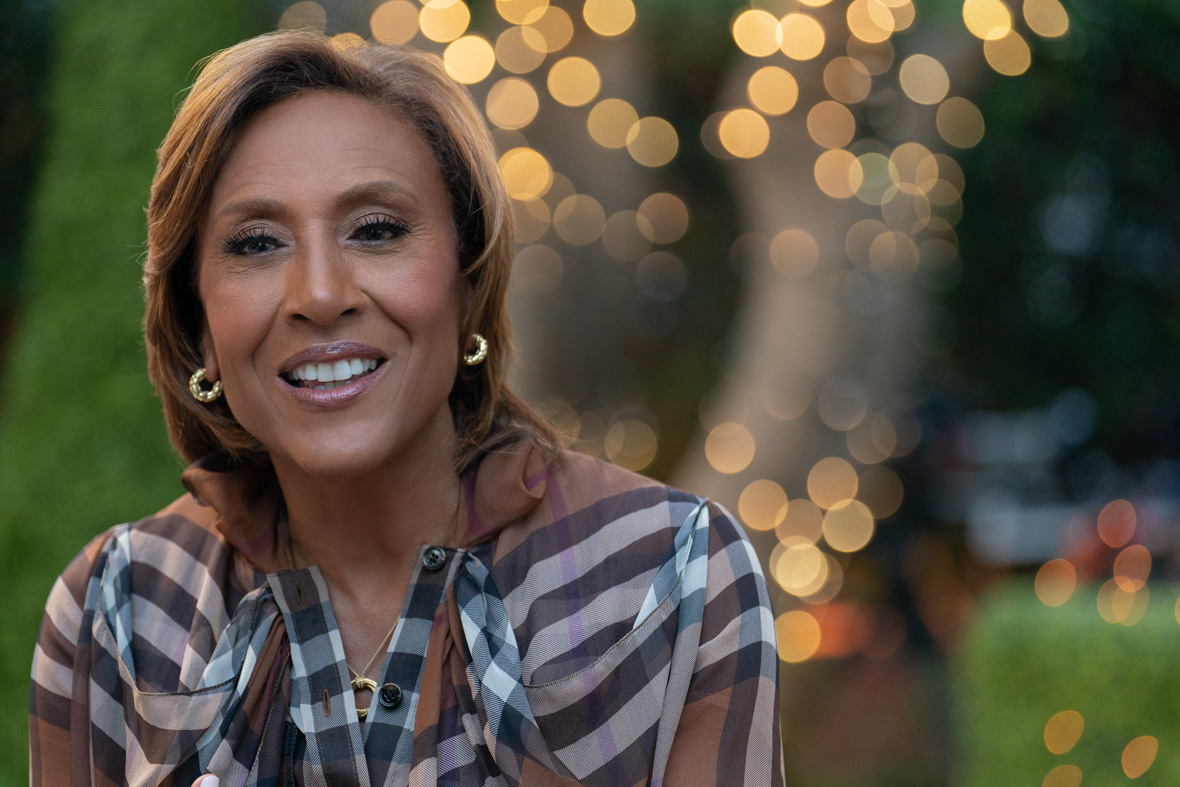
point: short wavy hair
(235, 85)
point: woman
(385, 571)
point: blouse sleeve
(729, 731)
(58, 698)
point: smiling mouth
(326, 376)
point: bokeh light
(830, 124)
(520, 50)
(610, 122)
(923, 79)
(802, 36)
(1055, 582)
(960, 122)
(729, 447)
(1063, 730)
(574, 81)
(1117, 605)
(757, 32)
(1116, 523)
(799, 567)
(394, 22)
(631, 444)
(869, 21)
(987, 18)
(625, 236)
(522, 12)
(608, 17)
(848, 526)
(772, 90)
(881, 489)
(794, 253)
(652, 141)
(1008, 55)
(579, 219)
(1046, 18)
(831, 481)
(1132, 567)
(444, 20)
(555, 27)
(1063, 776)
(666, 218)
(762, 505)
(798, 636)
(803, 519)
(1138, 755)
(306, 15)
(847, 80)
(527, 174)
(347, 41)
(744, 133)
(838, 173)
(469, 59)
(512, 103)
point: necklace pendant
(361, 683)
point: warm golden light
(838, 173)
(877, 57)
(799, 567)
(346, 41)
(1132, 567)
(798, 636)
(394, 22)
(903, 15)
(667, 218)
(986, 18)
(444, 20)
(913, 163)
(893, 255)
(527, 174)
(1063, 730)
(847, 80)
(1008, 55)
(1116, 523)
(923, 79)
(744, 133)
(610, 121)
(520, 49)
(538, 268)
(625, 236)
(830, 124)
(306, 14)
(762, 505)
(560, 414)
(960, 122)
(794, 253)
(512, 103)
(1063, 776)
(848, 526)
(532, 222)
(803, 519)
(608, 17)
(469, 59)
(579, 219)
(881, 490)
(1116, 605)
(1046, 18)
(772, 90)
(574, 81)
(555, 27)
(870, 21)
(1055, 582)
(802, 36)
(630, 444)
(652, 141)
(522, 12)
(831, 481)
(1139, 755)
(729, 448)
(757, 33)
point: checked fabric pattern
(588, 626)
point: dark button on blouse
(390, 696)
(433, 558)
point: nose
(321, 285)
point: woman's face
(328, 270)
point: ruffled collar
(247, 507)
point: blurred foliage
(65, 476)
(1025, 662)
(1070, 238)
(24, 32)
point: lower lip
(338, 396)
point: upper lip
(326, 353)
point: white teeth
(356, 365)
(309, 371)
(342, 370)
(333, 375)
(323, 372)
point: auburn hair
(236, 84)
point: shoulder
(169, 574)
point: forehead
(323, 140)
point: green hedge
(1023, 662)
(82, 444)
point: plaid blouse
(584, 625)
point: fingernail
(212, 781)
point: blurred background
(894, 281)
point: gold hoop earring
(194, 387)
(480, 352)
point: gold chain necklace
(359, 681)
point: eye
(376, 229)
(250, 242)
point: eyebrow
(362, 192)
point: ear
(209, 356)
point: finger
(208, 780)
